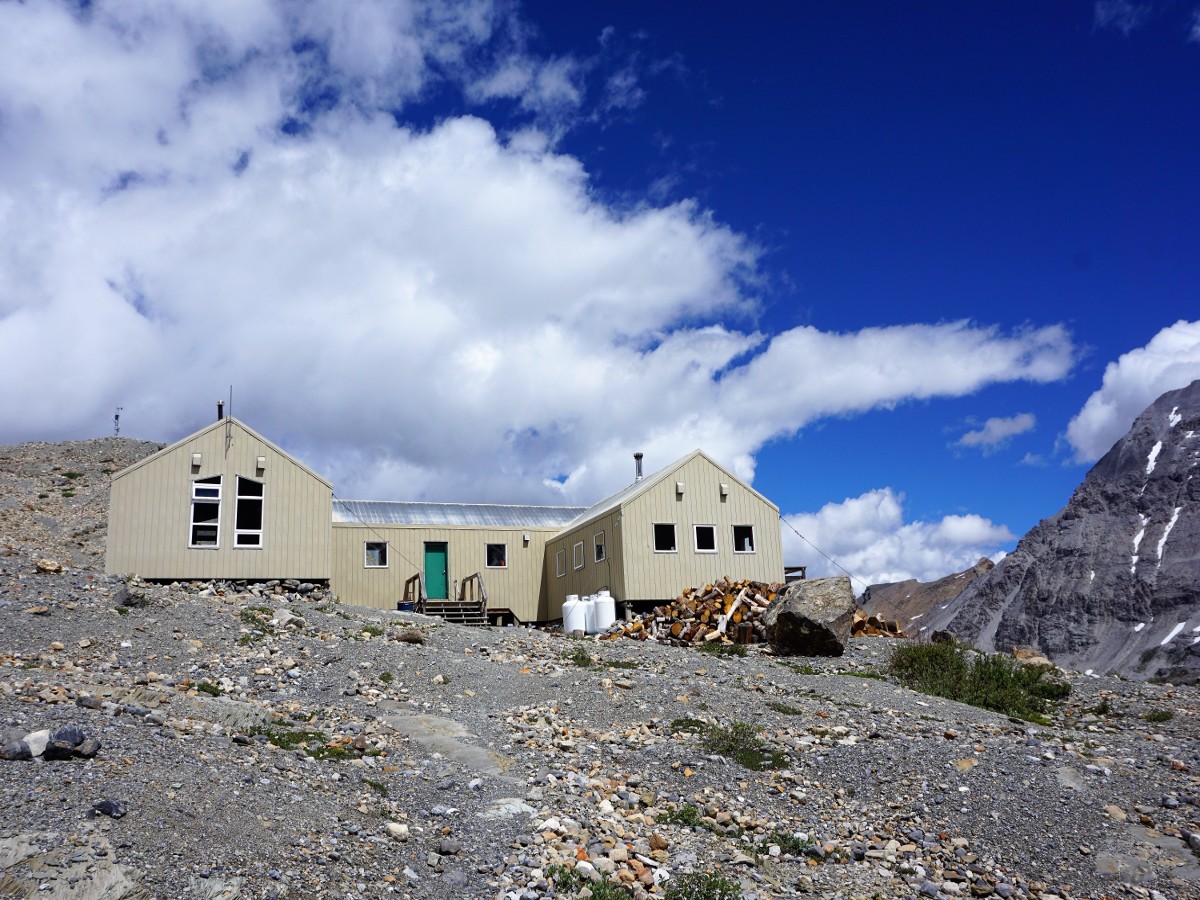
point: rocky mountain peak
(907, 602)
(1112, 582)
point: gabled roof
(221, 423)
(623, 496)
(490, 515)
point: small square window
(598, 545)
(664, 538)
(560, 563)
(577, 552)
(376, 554)
(706, 538)
(497, 556)
(743, 538)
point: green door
(437, 573)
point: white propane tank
(604, 612)
(574, 614)
(589, 605)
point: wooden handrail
(414, 592)
(481, 599)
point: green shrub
(1159, 715)
(784, 708)
(207, 687)
(579, 656)
(377, 786)
(715, 648)
(798, 668)
(72, 475)
(686, 815)
(702, 886)
(789, 843)
(990, 681)
(1104, 708)
(606, 890)
(740, 742)
(566, 880)
(387, 677)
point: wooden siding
(593, 576)
(150, 509)
(634, 571)
(650, 575)
(517, 587)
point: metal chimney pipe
(220, 410)
(637, 466)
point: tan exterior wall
(517, 587)
(634, 571)
(150, 509)
(592, 576)
(651, 575)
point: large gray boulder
(811, 618)
(1110, 582)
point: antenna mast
(229, 423)
(117, 422)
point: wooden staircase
(456, 611)
(469, 609)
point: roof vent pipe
(637, 466)
(220, 410)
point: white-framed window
(743, 539)
(664, 538)
(598, 547)
(560, 563)
(248, 518)
(496, 556)
(706, 538)
(577, 554)
(375, 554)
(205, 529)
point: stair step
(456, 612)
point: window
(206, 512)
(375, 553)
(248, 524)
(497, 556)
(706, 538)
(664, 538)
(560, 563)
(743, 538)
(577, 552)
(598, 545)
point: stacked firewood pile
(726, 611)
(871, 625)
(729, 612)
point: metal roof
(488, 515)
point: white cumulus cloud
(997, 432)
(1171, 360)
(194, 196)
(868, 537)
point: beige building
(686, 525)
(379, 546)
(222, 503)
(225, 503)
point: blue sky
(910, 270)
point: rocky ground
(267, 741)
